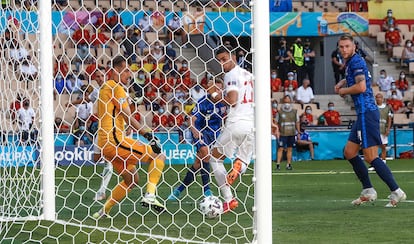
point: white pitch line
(343, 200)
(172, 239)
(331, 172)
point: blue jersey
(364, 101)
(209, 118)
(305, 136)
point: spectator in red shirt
(81, 37)
(275, 82)
(308, 115)
(61, 126)
(176, 118)
(290, 81)
(184, 71)
(99, 39)
(331, 116)
(160, 120)
(402, 83)
(392, 39)
(149, 96)
(396, 104)
(15, 106)
(60, 66)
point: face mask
(393, 87)
(290, 78)
(390, 15)
(161, 111)
(402, 76)
(59, 77)
(274, 76)
(274, 105)
(382, 76)
(331, 108)
(141, 76)
(394, 96)
(391, 29)
(184, 65)
(409, 44)
(157, 47)
(175, 18)
(176, 111)
(209, 76)
(290, 88)
(308, 111)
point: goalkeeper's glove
(153, 141)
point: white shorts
(237, 141)
(384, 139)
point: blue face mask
(161, 111)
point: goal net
(169, 47)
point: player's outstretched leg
(188, 179)
(219, 171)
(106, 178)
(205, 178)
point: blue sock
(205, 175)
(189, 178)
(361, 171)
(384, 173)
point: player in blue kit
(206, 121)
(365, 132)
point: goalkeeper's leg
(106, 178)
(155, 169)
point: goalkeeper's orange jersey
(112, 96)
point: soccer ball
(211, 207)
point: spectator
(402, 83)
(60, 85)
(145, 23)
(84, 111)
(28, 72)
(282, 59)
(74, 84)
(17, 52)
(388, 21)
(394, 89)
(338, 65)
(242, 61)
(407, 55)
(291, 92)
(307, 116)
(184, 70)
(99, 39)
(149, 97)
(275, 82)
(297, 58)
(362, 53)
(197, 92)
(304, 141)
(15, 106)
(138, 84)
(290, 81)
(160, 120)
(61, 126)
(176, 118)
(309, 68)
(304, 94)
(396, 104)
(81, 37)
(175, 27)
(331, 117)
(157, 52)
(392, 39)
(60, 66)
(384, 82)
(26, 116)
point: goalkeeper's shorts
(127, 153)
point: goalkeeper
(206, 122)
(121, 151)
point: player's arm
(231, 97)
(196, 133)
(339, 85)
(359, 86)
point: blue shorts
(208, 138)
(365, 130)
(287, 141)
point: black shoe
(289, 167)
(277, 166)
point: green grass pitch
(311, 204)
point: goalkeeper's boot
(367, 195)
(149, 200)
(100, 215)
(396, 197)
(175, 195)
(227, 206)
(235, 172)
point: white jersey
(240, 80)
(25, 118)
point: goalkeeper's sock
(361, 171)
(106, 177)
(155, 170)
(220, 174)
(117, 194)
(384, 173)
(188, 179)
(205, 175)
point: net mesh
(169, 47)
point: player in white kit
(236, 140)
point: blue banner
(17, 156)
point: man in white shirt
(175, 27)
(145, 24)
(25, 116)
(237, 138)
(197, 92)
(384, 82)
(304, 94)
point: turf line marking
(331, 172)
(343, 200)
(103, 229)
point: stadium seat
(397, 52)
(381, 38)
(373, 30)
(400, 119)
(411, 68)
(403, 28)
(407, 36)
